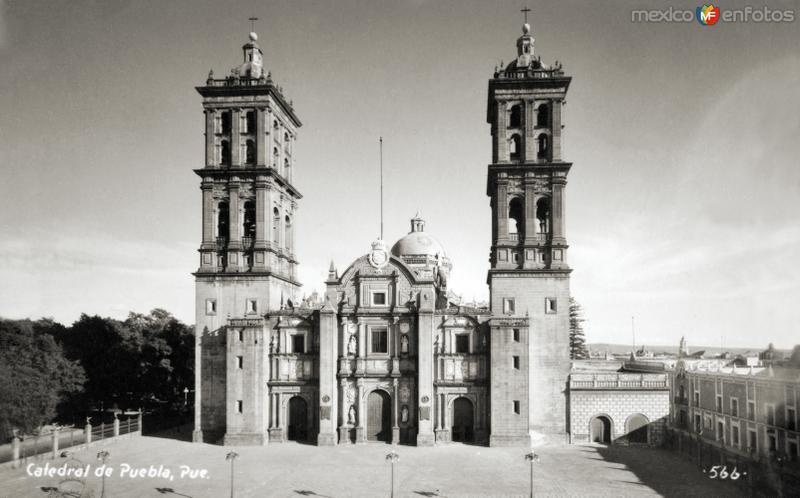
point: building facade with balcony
(747, 411)
(385, 355)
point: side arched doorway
(636, 429)
(379, 414)
(463, 421)
(600, 428)
(298, 419)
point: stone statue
(404, 344)
(352, 345)
(351, 415)
(404, 414)
(436, 345)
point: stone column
(362, 349)
(394, 334)
(555, 106)
(327, 376)
(425, 434)
(395, 412)
(197, 433)
(235, 240)
(54, 437)
(344, 427)
(210, 136)
(502, 209)
(557, 209)
(87, 430)
(529, 117)
(261, 155)
(500, 134)
(260, 246)
(236, 146)
(208, 247)
(361, 414)
(15, 450)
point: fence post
(55, 443)
(116, 425)
(15, 447)
(139, 422)
(88, 431)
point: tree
(577, 341)
(35, 376)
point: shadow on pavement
(306, 492)
(665, 473)
(178, 433)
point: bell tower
(247, 253)
(529, 275)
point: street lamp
(392, 458)
(232, 455)
(103, 456)
(533, 458)
(185, 397)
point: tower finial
(380, 140)
(253, 23)
(526, 28)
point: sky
(683, 202)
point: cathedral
(384, 355)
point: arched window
(250, 121)
(276, 225)
(250, 152)
(249, 222)
(516, 217)
(515, 117)
(275, 124)
(543, 116)
(275, 155)
(226, 122)
(543, 214)
(288, 233)
(543, 145)
(225, 153)
(223, 229)
(286, 139)
(514, 147)
(286, 165)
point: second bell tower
(529, 274)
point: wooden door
(378, 416)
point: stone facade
(385, 355)
(607, 407)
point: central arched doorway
(298, 419)
(636, 428)
(600, 427)
(463, 421)
(379, 413)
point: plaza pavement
(296, 470)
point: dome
(417, 244)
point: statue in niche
(404, 344)
(436, 345)
(351, 415)
(404, 414)
(352, 345)
(273, 344)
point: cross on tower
(525, 12)
(253, 23)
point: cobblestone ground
(450, 471)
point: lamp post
(103, 456)
(232, 455)
(392, 458)
(185, 397)
(533, 458)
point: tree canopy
(577, 341)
